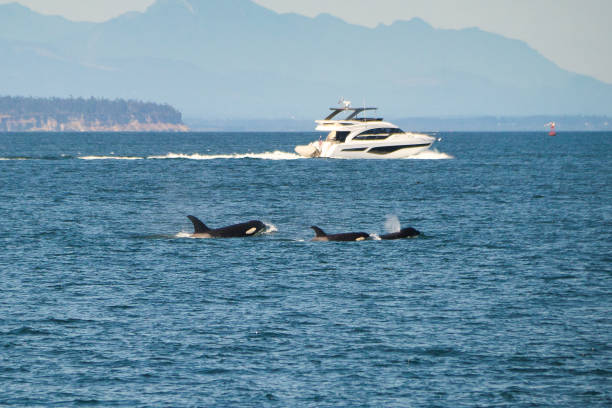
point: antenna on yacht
(364, 108)
(342, 101)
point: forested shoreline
(91, 114)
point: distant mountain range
(226, 59)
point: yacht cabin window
(377, 133)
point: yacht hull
(398, 148)
(309, 150)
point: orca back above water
(408, 232)
(245, 229)
(320, 235)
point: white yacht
(362, 137)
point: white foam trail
(12, 158)
(275, 155)
(432, 154)
(110, 158)
(392, 223)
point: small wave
(441, 351)
(120, 307)
(26, 331)
(110, 158)
(67, 321)
(153, 236)
(432, 154)
(275, 155)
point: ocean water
(105, 300)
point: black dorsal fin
(198, 226)
(318, 231)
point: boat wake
(110, 158)
(432, 154)
(275, 155)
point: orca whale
(320, 235)
(403, 233)
(245, 229)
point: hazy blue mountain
(235, 59)
(18, 22)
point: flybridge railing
(355, 112)
(368, 119)
(347, 122)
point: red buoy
(552, 129)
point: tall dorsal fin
(198, 226)
(318, 231)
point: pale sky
(575, 34)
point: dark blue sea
(505, 300)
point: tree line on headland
(80, 114)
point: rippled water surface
(505, 300)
